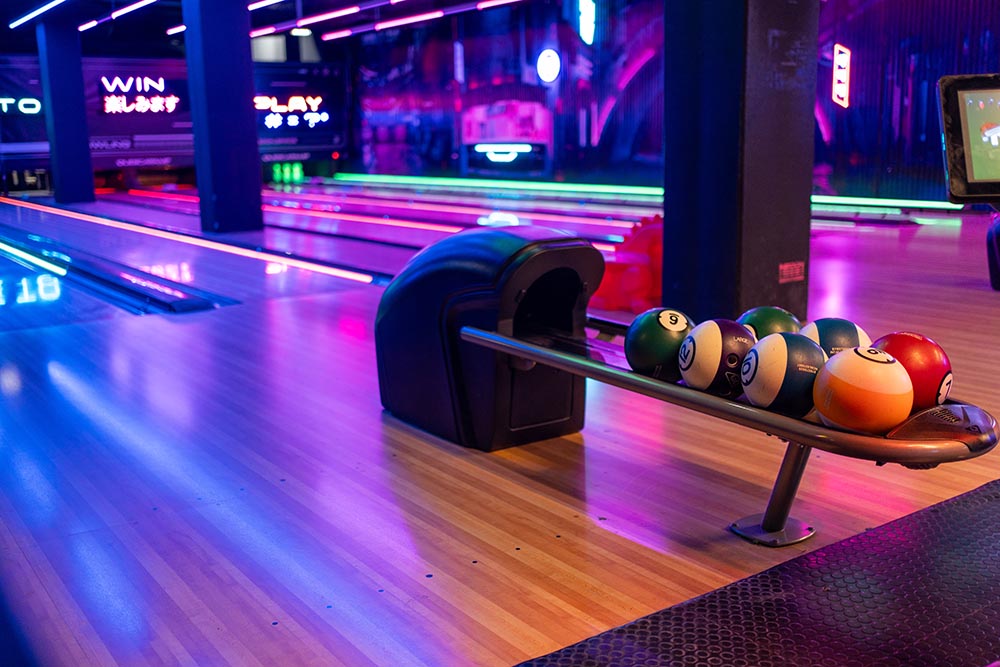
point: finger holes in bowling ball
(733, 360)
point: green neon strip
(623, 190)
(900, 203)
(32, 259)
(833, 208)
(581, 188)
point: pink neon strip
(486, 4)
(87, 26)
(389, 222)
(469, 210)
(309, 20)
(196, 241)
(395, 23)
(260, 32)
(176, 29)
(163, 195)
(336, 35)
(350, 217)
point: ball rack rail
(953, 431)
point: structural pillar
(740, 87)
(220, 81)
(65, 111)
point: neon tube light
(309, 20)
(349, 217)
(38, 12)
(486, 4)
(476, 211)
(87, 26)
(260, 4)
(130, 8)
(33, 259)
(197, 241)
(260, 32)
(417, 18)
(896, 203)
(176, 29)
(585, 188)
(336, 35)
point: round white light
(548, 65)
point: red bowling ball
(925, 361)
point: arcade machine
(970, 123)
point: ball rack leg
(774, 528)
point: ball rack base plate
(749, 528)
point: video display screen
(981, 133)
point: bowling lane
(380, 243)
(416, 221)
(237, 272)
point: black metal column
(65, 113)
(220, 78)
(740, 85)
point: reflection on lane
(31, 299)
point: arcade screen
(970, 112)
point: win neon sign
(841, 75)
(151, 100)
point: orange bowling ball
(863, 389)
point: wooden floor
(223, 488)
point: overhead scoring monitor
(970, 122)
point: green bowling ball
(652, 341)
(765, 320)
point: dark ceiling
(143, 32)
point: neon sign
(502, 152)
(588, 20)
(841, 75)
(42, 288)
(118, 101)
(296, 110)
(26, 105)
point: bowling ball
(765, 320)
(925, 361)
(863, 389)
(779, 371)
(652, 341)
(711, 354)
(835, 334)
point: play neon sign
(296, 110)
(841, 75)
(118, 100)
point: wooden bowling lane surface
(223, 488)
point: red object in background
(633, 275)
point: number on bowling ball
(686, 354)
(671, 320)
(749, 368)
(945, 388)
(875, 354)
